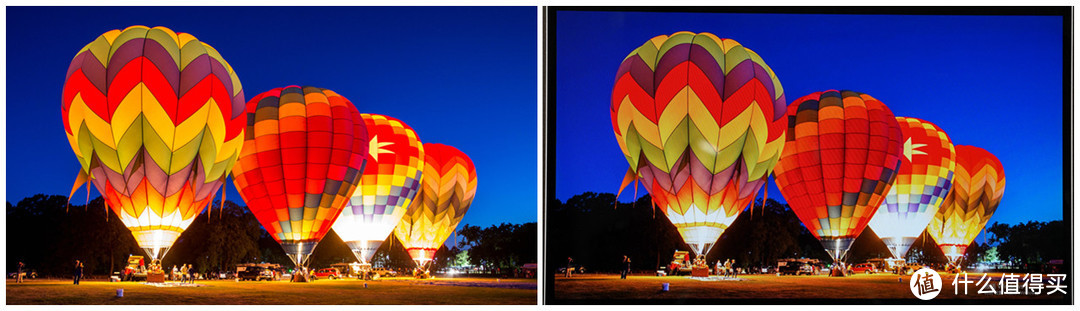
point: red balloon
(840, 157)
(303, 154)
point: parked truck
(680, 264)
(135, 270)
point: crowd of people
(727, 269)
(724, 268)
(185, 274)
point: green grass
(323, 292)
(874, 286)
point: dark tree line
(502, 246)
(1031, 243)
(49, 235)
(596, 232)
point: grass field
(325, 292)
(887, 288)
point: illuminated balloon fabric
(842, 153)
(389, 183)
(922, 182)
(155, 118)
(447, 189)
(977, 189)
(304, 151)
(700, 120)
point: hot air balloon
(447, 189)
(840, 158)
(977, 188)
(700, 121)
(304, 151)
(389, 183)
(155, 118)
(922, 182)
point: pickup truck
(680, 264)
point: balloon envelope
(841, 156)
(700, 121)
(389, 183)
(977, 188)
(447, 189)
(304, 150)
(923, 181)
(156, 119)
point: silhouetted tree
(503, 246)
(392, 255)
(925, 250)
(1030, 243)
(445, 257)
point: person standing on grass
(569, 267)
(626, 269)
(191, 273)
(734, 269)
(78, 271)
(19, 273)
(183, 273)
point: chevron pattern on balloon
(447, 189)
(700, 121)
(155, 118)
(977, 188)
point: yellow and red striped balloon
(923, 181)
(447, 189)
(977, 188)
(390, 181)
(155, 118)
(701, 122)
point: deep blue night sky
(464, 77)
(990, 81)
